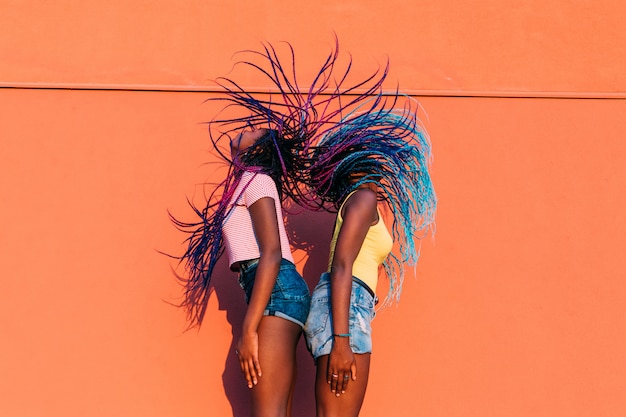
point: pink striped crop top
(239, 239)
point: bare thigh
(348, 404)
(278, 339)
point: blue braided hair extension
(380, 140)
(292, 119)
(298, 116)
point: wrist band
(341, 334)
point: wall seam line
(259, 90)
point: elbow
(341, 268)
(272, 256)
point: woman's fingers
(341, 368)
(257, 366)
(248, 354)
(347, 376)
(343, 382)
(334, 381)
(339, 381)
(245, 370)
(251, 369)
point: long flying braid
(293, 120)
(380, 141)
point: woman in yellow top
(376, 156)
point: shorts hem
(328, 353)
(283, 316)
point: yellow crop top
(376, 246)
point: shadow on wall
(309, 232)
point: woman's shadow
(310, 232)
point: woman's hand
(341, 366)
(248, 353)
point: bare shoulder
(362, 204)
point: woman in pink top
(277, 296)
(252, 233)
(243, 218)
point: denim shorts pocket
(319, 313)
(362, 304)
(291, 285)
(361, 317)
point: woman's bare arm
(265, 225)
(359, 214)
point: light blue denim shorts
(318, 329)
(290, 297)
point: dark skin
(337, 371)
(267, 346)
(265, 227)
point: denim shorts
(318, 329)
(290, 297)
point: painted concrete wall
(505, 45)
(516, 308)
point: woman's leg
(278, 339)
(348, 404)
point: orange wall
(499, 45)
(518, 303)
